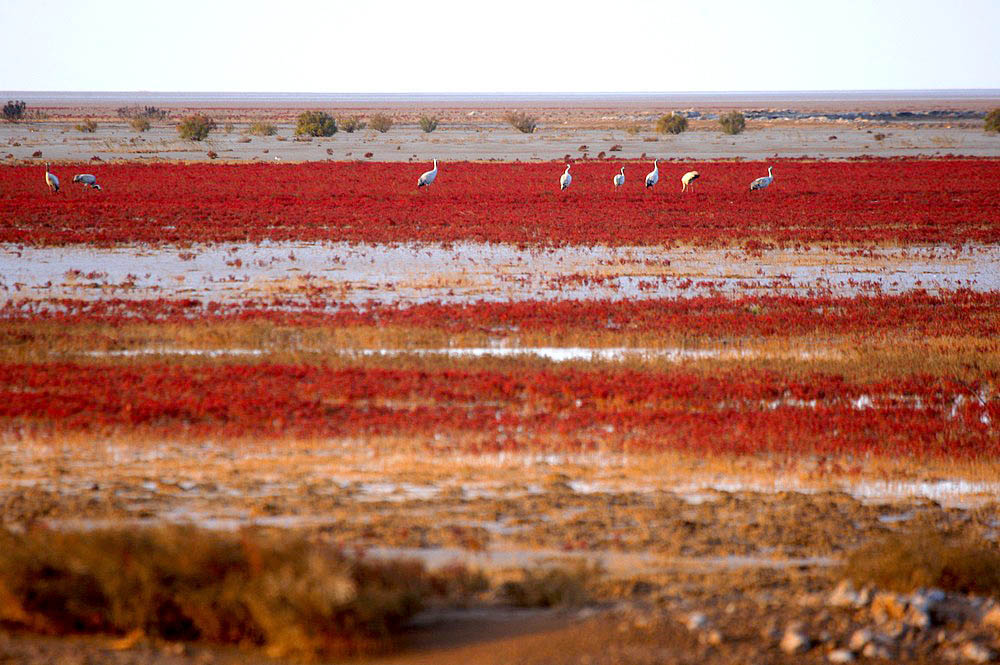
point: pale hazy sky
(500, 46)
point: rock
(873, 650)
(992, 618)
(840, 656)
(794, 640)
(860, 638)
(696, 621)
(918, 618)
(887, 606)
(977, 653)
(843, 595)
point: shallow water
(297, 273)
(551, 353)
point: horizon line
(521, 92)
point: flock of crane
(427, 178)
(85, 179)
(653, 177)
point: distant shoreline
(861, 99)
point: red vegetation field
(861, 202)
(951, 313)
(742, 411)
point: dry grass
(551, 587)
(868, 358)
(290, 595)
(928, 559)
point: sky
(505, 46)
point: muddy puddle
(295, 273)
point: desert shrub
(351, 124)
(616, 148)
(522, 122)
(14, 110)
(228, 128)
(87, 125)
(732, 122)
(549, 587)
(136, 111)
(293, 596)
(196, 127)
(993, 121)
(905, 562)
(632, 129)
(140, 124)
(380, 122)
(315, 123)
(261, 128)
(671, 124)
(428, 123)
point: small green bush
(140, 124)
(351, 124)
(14, 110)
(993, 121)
(315, 123)
(88, 126)
(196, 127)
(733, 122)
(261, 128)
(380, 122)
(428, 123)
(148, 112)
(522, 122)
(671, 124)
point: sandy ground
(692, 562)
(828, 140)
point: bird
(50, 179)
(619, 179)
(427, 178)
(566, 179)
(653, 176)
(761, 183)
(87, 180)
(687, 179)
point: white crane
(619, 179)
(427, 178)
(687, 179)
(87, 180)
(761, 183)
(50, 179)
(653, 176)
(566, 179)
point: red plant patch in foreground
(902, 201)
(747, 411)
